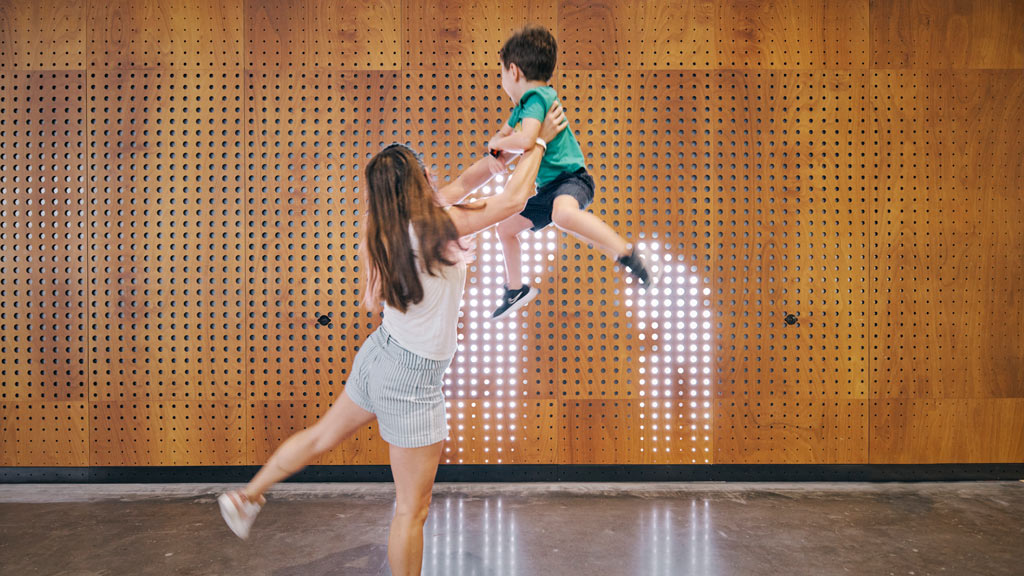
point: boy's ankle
(630, 250)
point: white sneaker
(238, 512)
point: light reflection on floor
(470, 535)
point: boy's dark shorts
(577, 184)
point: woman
(415, 268)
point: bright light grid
(675, 378)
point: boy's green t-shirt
(563, 154)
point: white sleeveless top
(429, 328)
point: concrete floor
(524, 529)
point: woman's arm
(474, 177)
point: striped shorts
(402, 388)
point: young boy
(564, 189)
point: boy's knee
(563, 213)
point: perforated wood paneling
(946, 263)
(916, 430)
(165, 266)
(44, 434)
(43, 268)
(946, 235)
(831, 193)
(308, 135)
(42, 237)
(793, 154)
(43, 34)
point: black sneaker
(514, 300)
(635, 265)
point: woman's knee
(413, 509)
(322, 437)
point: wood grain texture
(466, 33)
(791, 431)
(666, 35)
(165, 34)
(43, 34)
(945, 241)
(44, 434)
(944, 34)
(938, 431)
(792, 34)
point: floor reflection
(471, 536)
(652, 537)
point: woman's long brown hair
(399, 193)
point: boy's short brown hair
(533, 50)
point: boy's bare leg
(508, 234)
(568, 216)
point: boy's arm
(519, 141)
(505, 131)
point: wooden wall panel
(44, 433)
(277, 34)
(934, 34)
(466, 33)
(43, 272)
(43, 34)
(674, 34)
(165, 267)
(947, 357)
(167, 433)
(271, 421)
(165, 34)
(792, 218)
(792, 34)
(781, 430)
(933, 431)
(181, 194)
(359, 35)
(501, 431)
(600, 431)
(946, 237)
(165, 236)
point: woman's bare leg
(340, 422)
(414, 470)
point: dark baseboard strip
(537, 473)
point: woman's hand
(468, 245)
(554, 122)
